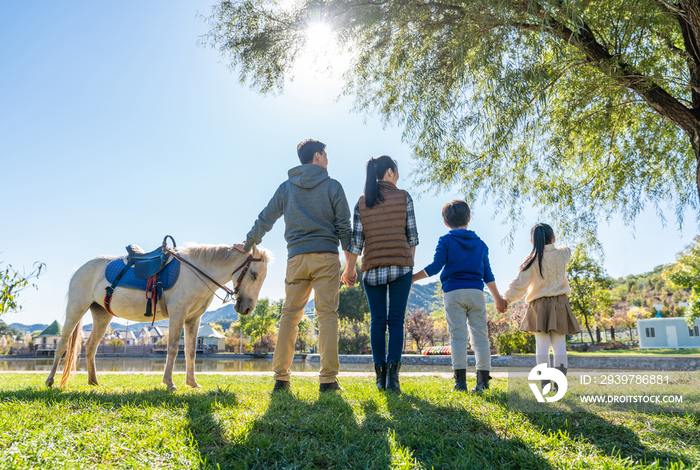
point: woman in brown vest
(385, 226)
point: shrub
(266, 343)
(116, 342)
(353, 335)
(234, 342)
(514, 341)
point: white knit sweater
(530, 283)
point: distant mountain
(310, 310)
(649, 291)
(30, 328)
(221, 314)
(225, 312)
(428, 297)
(425, 297)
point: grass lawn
(234, 422)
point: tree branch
(626, 75)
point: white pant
(557, 342)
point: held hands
(418, 276)
(349, 277)
(501, 305)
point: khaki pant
(320, 272)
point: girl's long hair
(542, 234)
(376, 169)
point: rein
(229, 293)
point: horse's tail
(75, 343)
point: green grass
(234, 422)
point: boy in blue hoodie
(464, 261)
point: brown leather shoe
(329, 387)
(280, 385)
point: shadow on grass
(388, 431)
(199, 407)
(597, 427)
(609, 438)
(295, 434)
(450, 437)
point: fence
(628, 335)
(105, 349)
(201, 348)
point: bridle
(244, 267)
(230, 294)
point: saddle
(147, 266)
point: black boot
(392, 377)
(281, 385)
(460, 380)
(482, 381)
(543, 384)
(381, 377)
(563, 370)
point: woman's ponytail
(371, 187)
(542, 234)
(376, 169)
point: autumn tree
(419, 326)
(263, 319)
(591, 108)
(590, 286)
(685, 274)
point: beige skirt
(550, 314)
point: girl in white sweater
(542, 281)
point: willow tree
(584, 109)
(12, 283)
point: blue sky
(117, 127)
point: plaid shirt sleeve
(357, 242)
(411, 227)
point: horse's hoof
(196, 385)
(93, 383)
(170, 386)
(49, 382)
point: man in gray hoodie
(316, 217)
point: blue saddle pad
(168, 276)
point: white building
(128, 337)
(671, 333)
(207, 338)
(150, 335)
(49, 338)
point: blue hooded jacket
(464, 260)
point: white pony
(183, 304)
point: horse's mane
(220, 253)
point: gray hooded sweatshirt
(316, 213)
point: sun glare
(319, 38)
(322, 61)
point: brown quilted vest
(384, 227)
